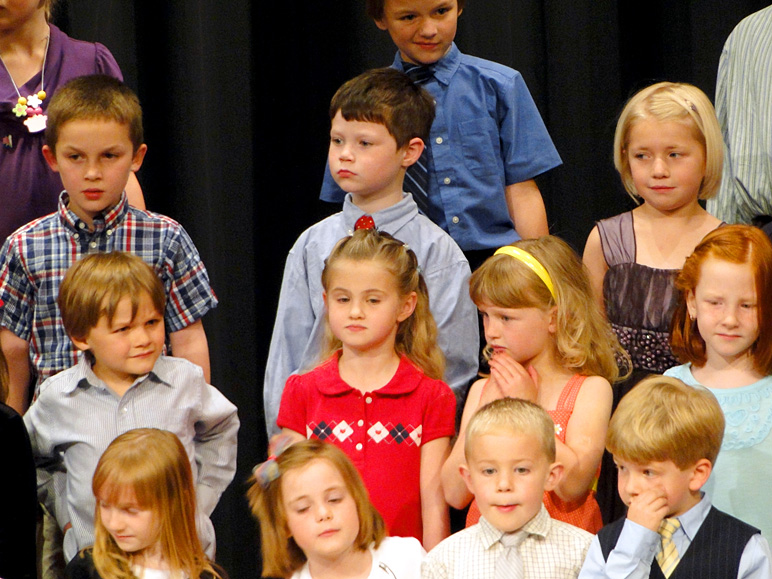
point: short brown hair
(281, 555)
(94, 286)
(516, 416)
(740, 244)
(375, 8)
(388, 97)
(663, 419)
(94, 97)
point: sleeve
(215, 442)
(433, 567)
(17, 525)
(440, 413)
(292, 331)
(744, 111)
(631, 558)
(330, 191)
(105, 62)
(189, 295)
(16, 292)
(81, 567)
(458, 335)
(293, 409)
(756, 561)
(526, 146)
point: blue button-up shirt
(487, 134)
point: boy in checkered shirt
(94, 141)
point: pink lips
(93, 194)
(345, 173)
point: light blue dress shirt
(299, 327)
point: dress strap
(570, 392)
(617, 239)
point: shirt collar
(108, 220)
(390, 220)
(692, 520)
(405, 380)
(84, 375)
(540, 525)
(444, 68)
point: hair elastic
(530, 261)
(267, 472)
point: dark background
(235, 96)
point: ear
(139, 156)
(324, 299)
(80, 343)
(382, 24)
(553, 323)
(467, 476)
(700, 474)
(413, 151)
(408, 307)
(553, 476)
(50, 158)
(691, 305)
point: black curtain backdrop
(235, 96)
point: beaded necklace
(30, 107)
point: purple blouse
(28, 187)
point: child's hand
(510, 379)
(648, 508)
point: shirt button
(93, 244)
(446, 180)
(368, 399)
(76, 235)
(455, 219)
(125, 409)
(361, 423)
(109, 232)
(438, 140)
(359, 446)
(82, 225)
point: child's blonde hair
(95, 285)
(585, 341)
(416, 335)
(663, 419)
(671, 101)
(154, 465)
(281, 555)
(515, 416)
(739, 244)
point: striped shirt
(76, 417)
(35, 258)
(744, 109)
(551, 550)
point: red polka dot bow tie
(364, 222)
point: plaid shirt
(35, 258)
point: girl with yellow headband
(547, 342)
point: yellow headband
(531, 262)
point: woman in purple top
(36, 58)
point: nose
(141, 336)
(428, 28)
(345, 153)
(660, 167)
(504, 481)
(355, 311)
(629, 484)
(323, 512)
(491, 328)
(730, 317)
(93, 170)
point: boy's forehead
(392, 5)
(507, 444)
(83, 132)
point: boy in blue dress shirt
(488, 141)
(665, 437)
(379, 121)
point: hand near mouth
(509, 379)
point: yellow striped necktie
(668, 556)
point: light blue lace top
(738, 484)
